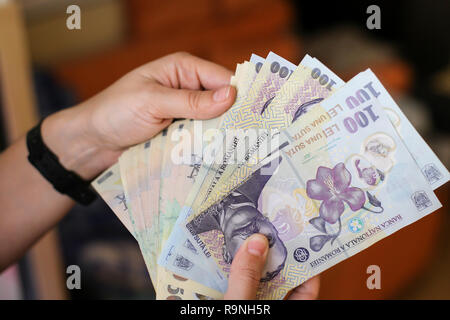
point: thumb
(247, 268)
(192, 104)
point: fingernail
(221, 94)
(257, 245)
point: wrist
(66, 134)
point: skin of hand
(88, 138)
(135, 108)
(247, 268)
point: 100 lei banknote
(184, 263)
(312, 81)
(344, 181)
(265, 81)
(431, 167)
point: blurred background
(45, 67)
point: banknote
(343, 181)
(182, 262)
(211, 176)
(125, 168)
(176, 246)
(145, 187)
(302, 90)
(311, 83)
(129, 171)
(173, 287)
(273, 73)
(247, 75)
(180, 158)
(295, 106)
(142, 154)
(169, 286)
(302, 80)
(109, 186)
(430, 165)
(263, 88)
(324, 169)
(257, 61)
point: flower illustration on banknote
(332, 187)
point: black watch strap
(47, 163)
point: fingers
(175, 89)
(309, 290)
(185, 71)
(192, 104)
(210, 75)
(247, 268)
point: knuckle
(146, 97)
(193, 100)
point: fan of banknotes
(323, 168)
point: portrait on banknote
(237, 217)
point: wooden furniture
(20, 114)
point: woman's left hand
(135, 108)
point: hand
(90, 137)
(247, 267)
